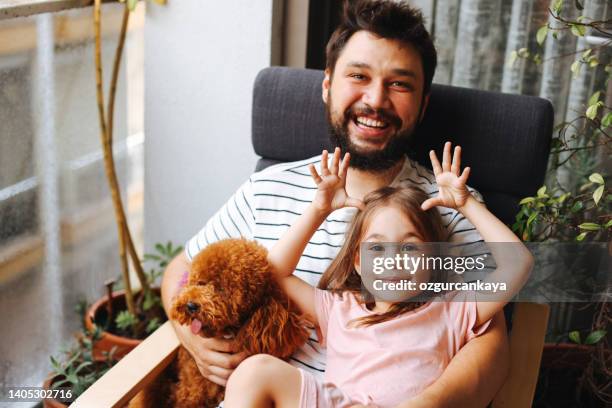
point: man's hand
(452, 189)
(213, 357)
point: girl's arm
(513, 259)
(285, 254)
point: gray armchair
(506, 140)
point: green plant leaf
(594, 98)
(608, 224)
(541, 191)
(575, 68)
(591, 111)
(607, 120)
(541, 35)
(556, 8)
(587, 53)
(125, 320)
(527, 200)
(597, 194)
(577, 206)
(578, 30)
(581, 236)
(595, 336)
(596, 178)
(153, 325)
(574, 337)
(531, 218)
(589, 226)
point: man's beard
(374, 160)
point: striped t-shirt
(272, 199)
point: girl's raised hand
(331, 192)
(452, 189)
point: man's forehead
(369, 51)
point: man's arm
(473, 376)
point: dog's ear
(273, 329)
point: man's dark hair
(387, 19)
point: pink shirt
(390, 362)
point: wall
(201, 59)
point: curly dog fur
(230, 293)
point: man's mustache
(379, 114)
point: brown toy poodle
(230, 293)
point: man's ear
(325, 85)
(424, 107)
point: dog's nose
(192, 307)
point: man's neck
(361, 182)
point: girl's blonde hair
(341, 275)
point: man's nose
(375, 95)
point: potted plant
(128, 312)
(78, 368)
(122, 330)
(575, 206)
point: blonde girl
(379, 353)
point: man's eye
(409, 247)
(376, 248)
(403, 85)
(357, 76)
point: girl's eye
(376, 248)
(408, 247)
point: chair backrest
(505, 138)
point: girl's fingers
(354, 202)
(324, 163)
(465, 175)
(344, 165)
(435, 164)
(430, 203)
(456, 164)
(335, 161)
(315, 176)
(446, 157)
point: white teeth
(370, 122)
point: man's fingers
(335, 161)
(446, 157)
(217, 380)
(236, 358)
(456, 165)
(315, 176)
(430, 203)
(435, 164)
(220, 372)
(324, 163)
(223, 360)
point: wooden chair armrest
(529, 324)
(137, 369)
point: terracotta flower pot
(51, 403)
(98, 311)
(566, 355)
